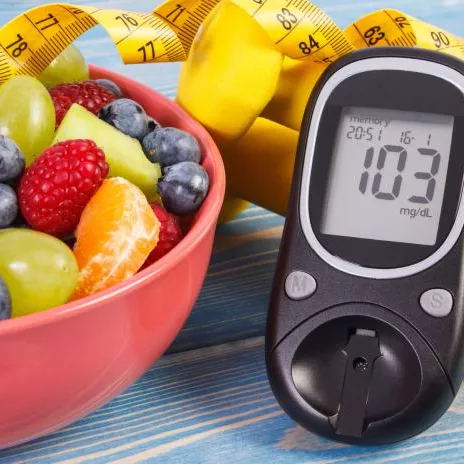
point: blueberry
(169, 146)
(127, 116)
(5, 301)
(111, 86)
(8, 206)
(12, 161)
(183, 187)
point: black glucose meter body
(365, 331)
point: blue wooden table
(208, 401)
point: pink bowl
(59, 365)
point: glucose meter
(365, 332)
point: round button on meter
(299, 285)
(437, 302)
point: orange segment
(116, 233)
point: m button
(300, 285)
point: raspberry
(55, 189)
(170, 234)
(89, 94)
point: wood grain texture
(214, 405)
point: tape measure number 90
(298, 29)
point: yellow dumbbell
(259, 165)
(296, 82)
(231, 73)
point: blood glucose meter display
(388, 174)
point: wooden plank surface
(212, 406)
(234, 299)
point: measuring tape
(298, 29)
(32, 40)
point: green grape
(39, 270)
(27, 115)
(69, 66)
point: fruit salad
(92, 188)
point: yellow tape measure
(299, 30)
(32, 40)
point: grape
(39, 270)
(69, 66)
(27, 115)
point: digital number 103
(428, 176)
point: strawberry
(55, 189)
(89, 94)
(170, 234)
